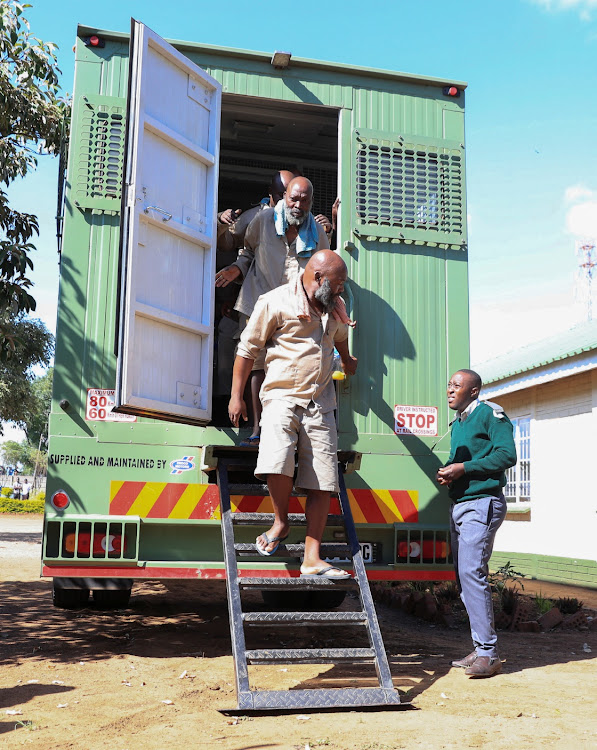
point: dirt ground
(154, 676)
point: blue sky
(531, 125)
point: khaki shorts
(287, 429)
(259, 363)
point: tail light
(60, 500)
(428, 548)
(97, 546)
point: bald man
(298, 327)
(278, 245)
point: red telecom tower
(586, 252)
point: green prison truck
(162, 136)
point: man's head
(324, 278)
(298, 200)
(279, 184)
(463, 389)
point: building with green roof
(549, 390)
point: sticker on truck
(100, 402)
(415, 420)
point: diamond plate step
(309, 655)
(256, 490)
(260, 700)
(304, 618)
(297, 584)
(328, 549)
(294, 519)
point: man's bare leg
(280, 487)
(257, 378)
(318, 507)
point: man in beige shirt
(298, 326)
(278, 244)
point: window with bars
(410, 190)
(518, 478)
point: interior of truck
(259, 137)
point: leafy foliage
(31, 121)
(21, 400)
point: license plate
(366, 551)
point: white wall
(563, 469)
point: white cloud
(581, 220)
(577, 193)
(584, 7)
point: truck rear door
(168, 234)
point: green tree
(31, 120)
(35, 422)
(19, 400)
(14, 453)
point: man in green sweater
(482, 448)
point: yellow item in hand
(338, 375)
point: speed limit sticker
(100, 402)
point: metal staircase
(234, 463)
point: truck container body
(162, 135)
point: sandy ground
(91, 679)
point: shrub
(9, 505)
(568, 605)
(542, 604)
(6, 492)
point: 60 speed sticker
(100, 402)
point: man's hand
(335, 208)
(350, 365)
(448, 474)
(325, 223)
(226, 275)
(237, 409)
(229, 216)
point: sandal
(250, 441)
(324, 573)
(268, 541)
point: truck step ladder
(232, 461)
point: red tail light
(60, 500)
(429, 546)
(84, 545)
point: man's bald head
(298, 200)
(279, 183)
(324, 278)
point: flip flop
(268, 541)
(247, 442)
(323, 573)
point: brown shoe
(484, 667)
(468, 661)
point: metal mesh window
(408, 190)
(100, 157)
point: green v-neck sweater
(484, 443)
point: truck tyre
(111, 599)
(303, 601)
(324, 600)
(70, 598)
(286, 601)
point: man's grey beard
(294, 221)
(326, 297)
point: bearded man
(278, 244)
(297, 326)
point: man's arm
(503, 453)
(349, 363)
(240, 374)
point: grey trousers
(473, 527)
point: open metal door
(168, 235)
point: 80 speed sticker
(100, 402)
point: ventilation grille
(410, 191)
(100, 157)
